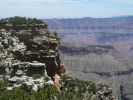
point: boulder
(27, 68)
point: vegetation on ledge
(20, 20)
(72, 89)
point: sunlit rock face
(29, 43)
(28, 69)
(28, 51)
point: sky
(65, 8)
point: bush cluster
(20, 20)
(72, 89)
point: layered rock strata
(28, 50)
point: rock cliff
(28, 50)
(30, 59)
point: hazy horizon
(69, 17)
(66, 8)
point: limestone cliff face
(30, 43)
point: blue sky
(65, 8)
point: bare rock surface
(28, 54)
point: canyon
(30, 63)
(98, 49)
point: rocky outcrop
(28, 46)
(31, 84)
(30, 57)
(28, 69)
(29, 50)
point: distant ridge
(87, 17)
(114, 66)
(88, 24)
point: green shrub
(72, 89)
